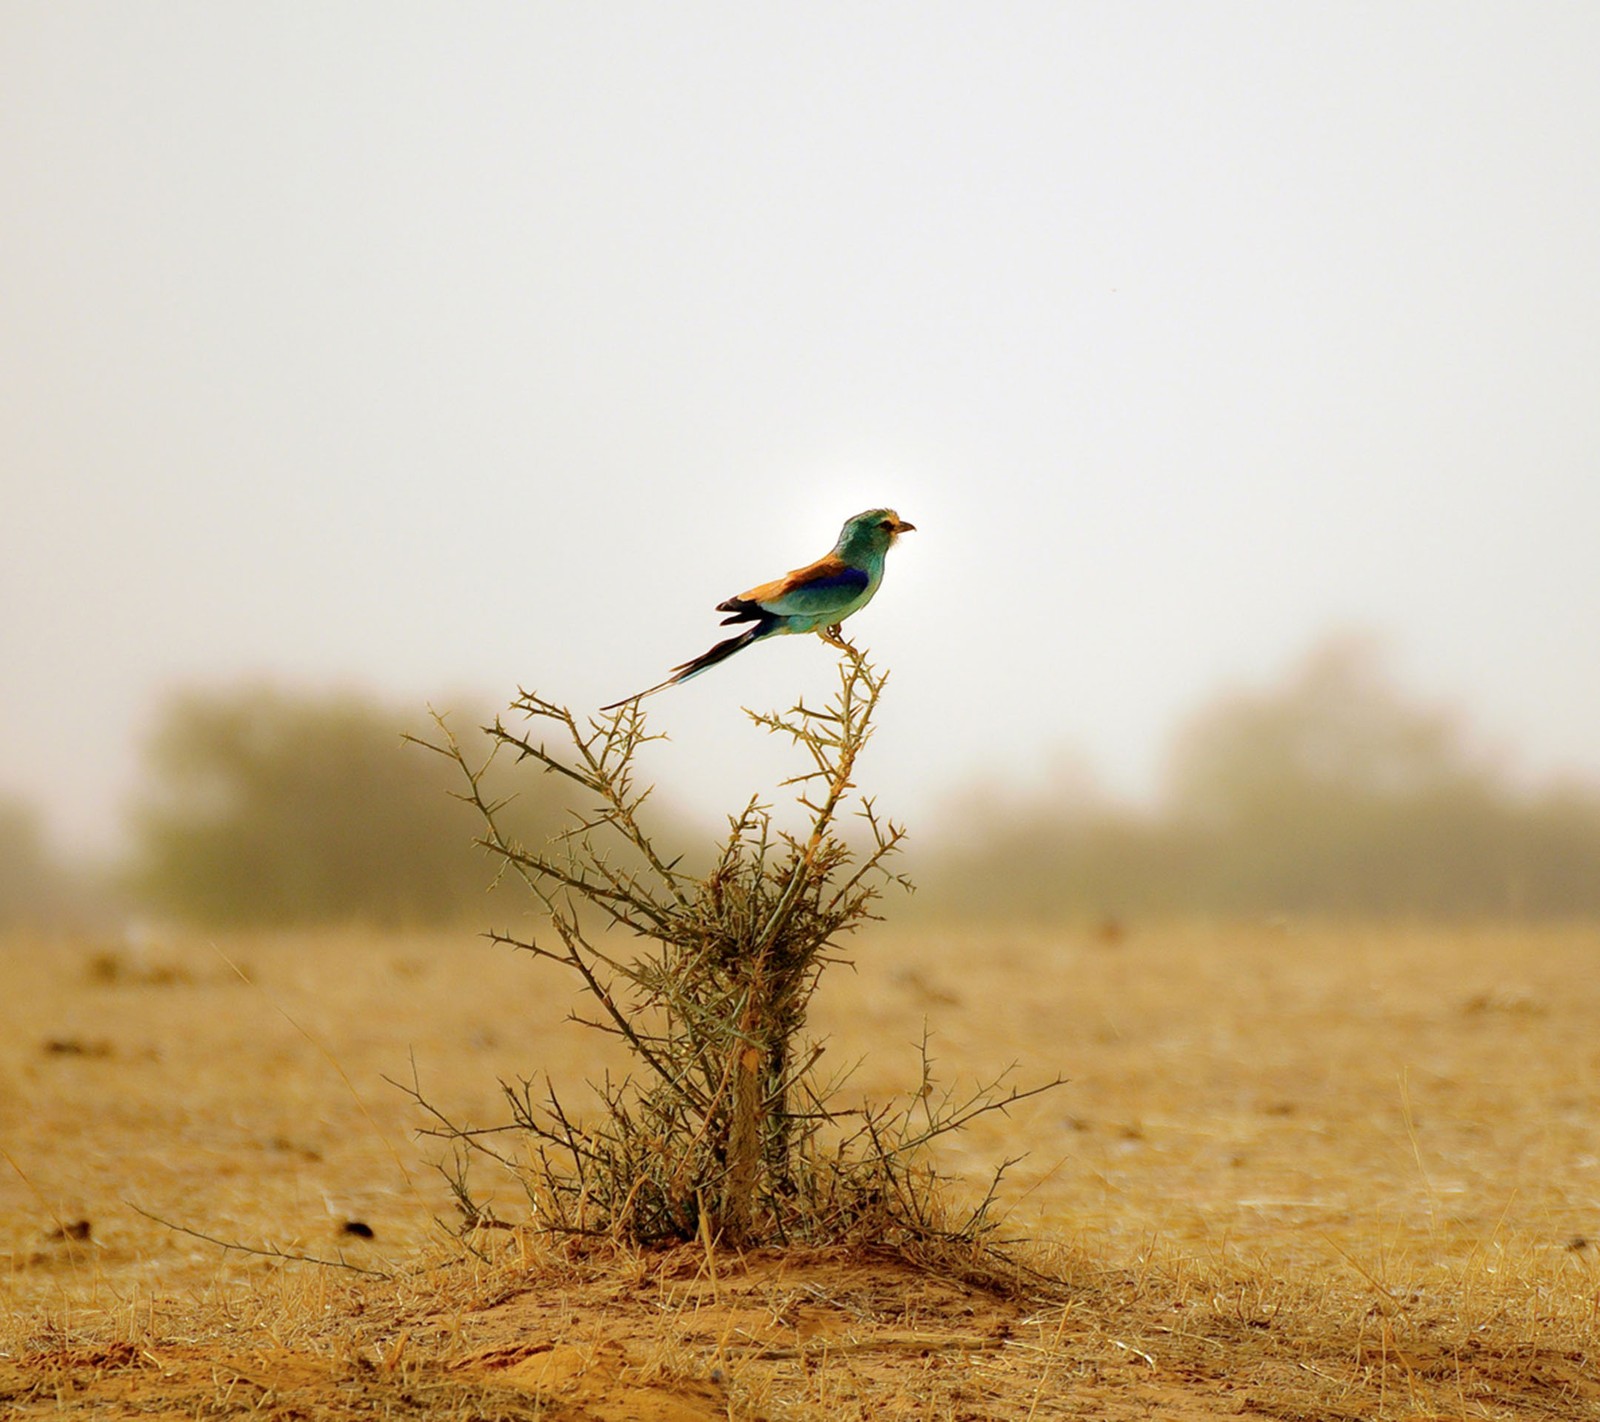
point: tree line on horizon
(1327, 794)
(1330, 794)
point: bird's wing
(818, 587)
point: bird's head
(871, 533)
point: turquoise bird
(815, 598)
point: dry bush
(723, 1127)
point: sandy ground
(1297, 1172)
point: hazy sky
(439, 348)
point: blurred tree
(1330, 793)
(269, 808)
(29, 880)
(1336, 728)
(1333, 793)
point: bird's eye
(887, 523)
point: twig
(272, 1252)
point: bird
(815, 598)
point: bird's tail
(706, 660)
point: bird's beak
(904, 527)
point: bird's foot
(834, 636)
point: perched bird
(816, 598)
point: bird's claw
(835, 636)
